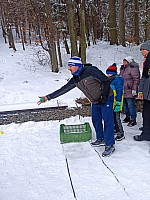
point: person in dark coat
(144, 93)
(116, 84)
(131, 74)
(96, 87)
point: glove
(42, 100)
(134, 93)
(117, 107)
(102, 100)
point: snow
(33, 164)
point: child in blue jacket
(116, 85)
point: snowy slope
(32, 160)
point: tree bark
(121, 23)
(136, 21)
(147, 21)
(51, 38)
(112, 23)
(72, 32)
(59, 50)
(10, 37)
(82, 32)
(65, 43)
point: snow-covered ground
(33, 163)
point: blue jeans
(104, 112)
(129, 108)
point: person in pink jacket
(131, 74)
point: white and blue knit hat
(75, 61)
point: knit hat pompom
(75, 61)
(145, 45)
(112, 69)
(129, 59)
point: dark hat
(112, 69)
(145, 45)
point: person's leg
(97, 121)
(141, 128)
(146, 120)
(126, 111)
(120, 134)
(132, 110)
(116, 128)
(131, 107)
(107, 116)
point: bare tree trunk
(147, 21)
(99, 21)
(30, 33)
(121, 23)
(112, 22)
(24, 32)
(59, 51)
(82, 32)
(22, 41)
(92, 23)
(10, 37)
(72, 32)
(136, 21)
(3, 24)
(17, 29)
(65, 43)
(88, 26)
(4, 33)
(54, 61)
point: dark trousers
(129, 108)
(117, 123)
(104, 113)
(146, 120)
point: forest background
(33, 162)
(81, 23)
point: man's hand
(43, 99)
(140, 96)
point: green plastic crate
(75, 133)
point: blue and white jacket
(117, 85)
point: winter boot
(108, 151)
(120, 137)
(126, 120)
(98, 143)
(132, 122)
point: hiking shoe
(120, 137)
(108, 151)
(126, 120)
(138, 138)
(98, 143)
(132, 123)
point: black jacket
(146, 67)
(91, 81)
